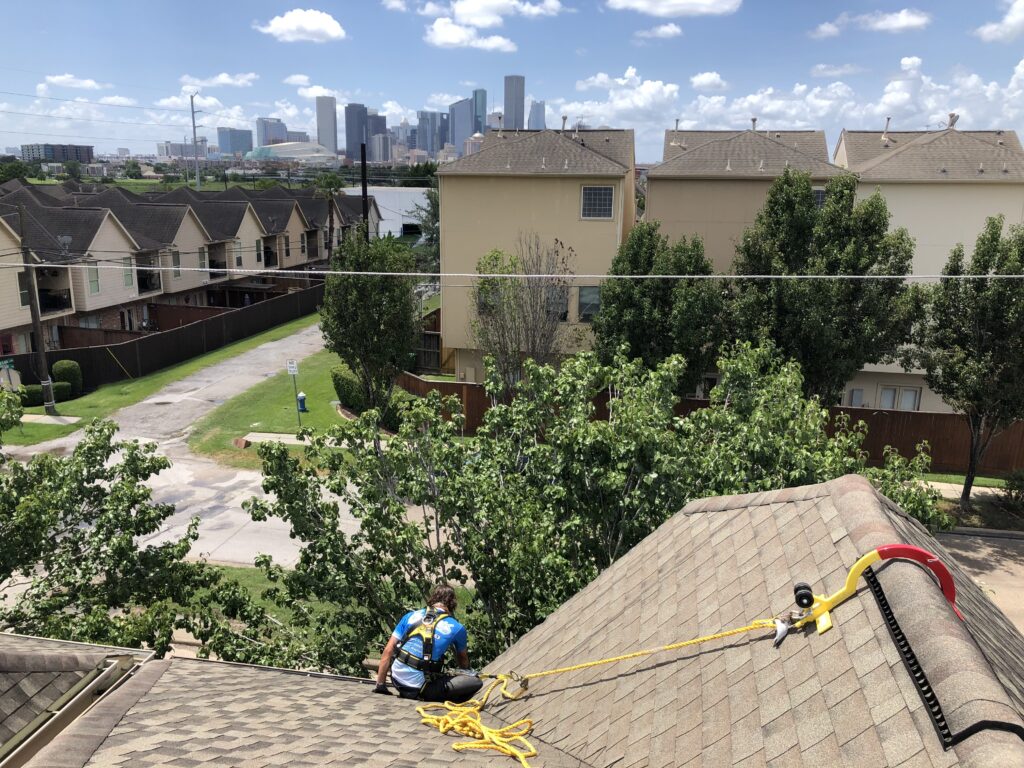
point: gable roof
(275, 214)
(862, 146)
(45, 226)
(840, 698)
(536, 153)
(947, 155)
(153, 225)
(746, 155)
(615, 144)
(810, 143)
(222, 218)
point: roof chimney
(677, 125)
(953, 117)
(753, 123)
(565, 119)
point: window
(6, 344)
(92, 321)
(126, 271)
(590, 302)
(855, 398)
(709, 383)
(597, 203)
(204, 261)
(900, 398)
(819, 197)
(557, 300)
(287, 246)
(238, 253)
(302, 243)
(94, 279)
(176, 263)
(259, 251)
(23, 288)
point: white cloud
(395, 112)
(433, 9)
(394, 5)
(445, 33)
(296, 80)
(42, 89)
(661, 32)
(68, 80)
(299, 25)
(669, 8)
(835, 70)
(1011, 26)
(118, 101)
(708, 81)
(491, 13)
(441, 101)
(312, 91)
(241, 80)
(905, 20)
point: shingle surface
(862, 146)
(545, 153)
(948, 155)
(616, 145)
(811, 143)
(746, 154)
(843, 697)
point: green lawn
(269, 407)
(434, 302)
(980, 482)
(985, 513)
(107, 399)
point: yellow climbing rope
(511, 740)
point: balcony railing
(54, 300)
(148, 281)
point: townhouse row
(105, 256)
(579, 186)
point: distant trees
(371, 321)
(970, 341)
(831, 327)
(652, 319)
(515, 318)
(11, 168)
(73, 169)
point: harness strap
(424, 629)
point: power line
(86, 101)
(87, 119)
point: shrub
(1013, 491)
(32, 394)
(71, 372)
(393, 418)
(349, 390)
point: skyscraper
(537, 122)
(270, 130)
(234, 141)
(298, 136)
(461, 122)
(426, 132)
(355, 129)
(380, 148)
(515, 102)
(327, 123)
(443, 132)
(375, 124)
(479, 111)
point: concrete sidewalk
(953, 491)
(997, 565)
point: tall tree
(516, 318)
(371, 321)
(831, 327)
(428, 216)
(657, 318)
(328, 185)
(970, 340)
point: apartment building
(713, 183)
(574, 186)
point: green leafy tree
(328, 186)
(132, 169)
(371, 321)
(13, 169)
(73, 168)
(970, 341)
(831, 327)
(653, 319)
(71, 562)
(428, 216)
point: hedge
(351, 396)
(71, 372)
(32, 394)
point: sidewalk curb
(989, 533)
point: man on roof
(415, 653)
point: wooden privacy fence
(152, 352)
(946, 433)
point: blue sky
(625, 63)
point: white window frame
(259, 250)
(898, 393)
(94, 278)
(611, 208)
(579, 303)
(287, 246)
(204, 259)
(176, 263)
(302, 243)
(238, 253)
(126, 272)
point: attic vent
(566, 166)
(778, 135)
(981, 167)
(1000, 142)
(761, 166)
(508, 165)
(728, 165)
(543, 162)
(1005, 169)
(942, 169)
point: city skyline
(625, 63)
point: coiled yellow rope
(511, 740)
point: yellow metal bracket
(820, 610)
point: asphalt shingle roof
(746, 155)
(153, 225)
(45, 226)
(810, 143)
(862, 146)
(840, 698)
(541, 153)
(948, 155)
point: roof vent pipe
(981, 167)
(761, 166)
(728, 165)
(885, 132)
(1005, 169)
(500, 121)
(566, 166)
(565, 119)
(543, 162)
(677, 125)
(953, 117)
(753, 123)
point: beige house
(575, 186)
(713, 183)
(940, 186)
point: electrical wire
(88, 119)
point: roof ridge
(930, 137)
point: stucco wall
(874, 377)
(940, 215)
(479, 214)
(717, 210)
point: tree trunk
(977, 427)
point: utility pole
(366, 199)
(195, 146)
(42, 368)
(184, 157)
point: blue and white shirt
(448, 632)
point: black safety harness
(423, 629)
